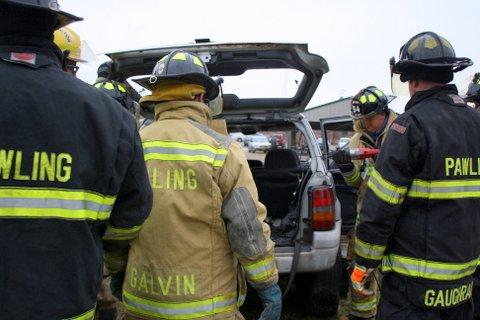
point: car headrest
(255, 163)
(282, 159)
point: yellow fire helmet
(67, 39)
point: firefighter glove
(359, 278)
(116, 284)
(272, 302)
(343, 160)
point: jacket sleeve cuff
(367, 254)
(352, 177)
(369, 264)
(261, 273)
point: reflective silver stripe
(262, 268)
(369, 251)
(182, 310)
(392, 194)
(385, 190)
(449, 189)
(188, 311)
(445, 189)
(54, 204)
(428, 269)
(46, 203)
(223, 140)
(260, 271)
(188, 152)
(365, 304)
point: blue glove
(272, 302)
(116, 284)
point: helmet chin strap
(65, 54)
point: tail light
(322, 202)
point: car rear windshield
(271, 83)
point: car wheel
(324, 296)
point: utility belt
(427, 294)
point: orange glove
(359, 278)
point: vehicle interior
(280, 175)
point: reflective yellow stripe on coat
(368, 250)
(180, 310)
(180, 151)
(261, 270)
(365, 305)
(426, 269)
(353, 176)
(385, 190)
(444, 190)
(44, 203)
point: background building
(339, 108)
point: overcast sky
(356, 37)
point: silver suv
(265, 87)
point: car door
(333, 130)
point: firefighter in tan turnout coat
(372, 120)
(206, 228)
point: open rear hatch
(231, 60)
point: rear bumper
(321, 255)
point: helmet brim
(456, 64)
(64, 18)
(211, 87)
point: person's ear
(200, 97)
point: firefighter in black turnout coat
(421, 216)
(73, 183)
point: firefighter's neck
(415, 86)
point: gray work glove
(272, 302)
(343, 160)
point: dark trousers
(395, 305)
(476, 294)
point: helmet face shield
(399, 88)
(216, 105)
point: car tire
(324, 295)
